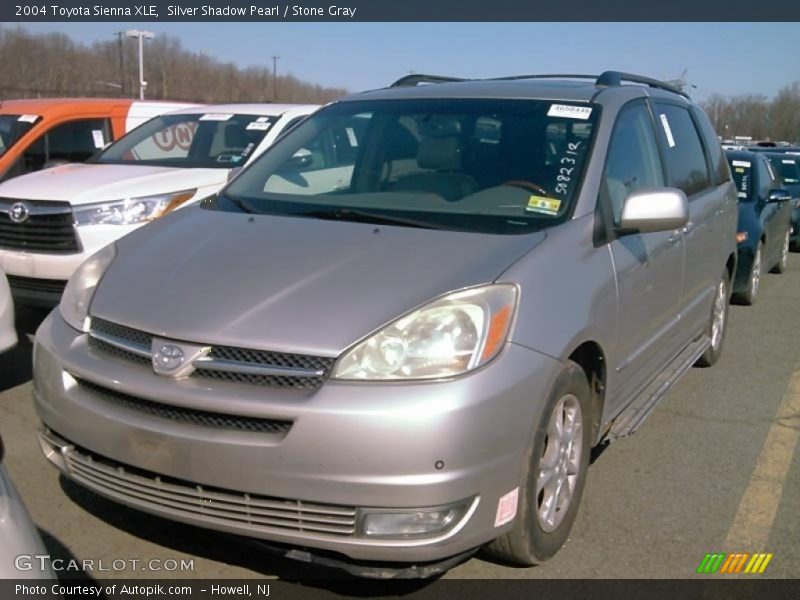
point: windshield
(787, 168)
(742, 177)
(493, 166)
(13, 127)
(204, 140)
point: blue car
(764, 222)
(787, 166)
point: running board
(630, 419)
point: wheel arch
(591, 358)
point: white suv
(51, 221)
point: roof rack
(615, 78)
(416, 78)
(605, 79)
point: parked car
(8, 333)
(395, 337)
(42, 132)
(50, 222)
(787, 167)
(763, 232)
(18, 534)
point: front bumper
(38, 278)
(351, 446)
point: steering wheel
(526, 185)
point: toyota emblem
(168, 358)
(18, 212)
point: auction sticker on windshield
(569, 111)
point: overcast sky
(727, 58)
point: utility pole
(142, 35)
(119, 35)
(275, 78)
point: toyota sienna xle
(396, 336)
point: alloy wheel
(559, 465)
(755, 273)
(718, 321)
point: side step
(630, 419)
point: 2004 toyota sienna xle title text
(397, 335)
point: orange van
(44, 132)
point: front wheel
(717, 324)
(783, 263)
(748, 296)
(553, 476)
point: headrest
(439, 153)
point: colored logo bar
(735, 562)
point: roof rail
(615, 78)
(544, 76)
(416, 78)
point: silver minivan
(396, 336)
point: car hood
(288, 284)
(85, 183)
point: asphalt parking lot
(713, 469)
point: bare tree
(54, 65)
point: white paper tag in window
(258, 126)
(569, 111)
(741, 163)
(507, 508)
(28, 118)
(788, 162)
(97, 136)
(216, 117)
(667, 130)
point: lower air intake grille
(179, 414)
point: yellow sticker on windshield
(546, 206)
(739, 170)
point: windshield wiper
(362, 216)
(240, 202)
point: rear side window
(633, 162)
(719, 165)
(686, 160)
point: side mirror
(662, 209)
(779, 195)
(300, 159)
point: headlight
(453, 334)
(80, 288)
(131, 210)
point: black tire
(714, 351)
(783, 261)
(749, 295)
(527, 543)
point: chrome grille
(223, 363)
(49, 228)
(180, 414)
(259, 513)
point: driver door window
(633, 161)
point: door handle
(688, 227)
(675, 237)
